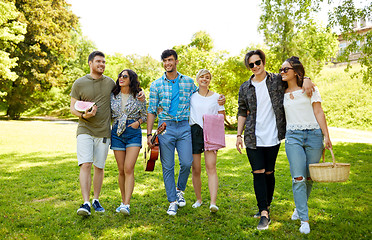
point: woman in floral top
(128, 114)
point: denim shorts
(131, 137)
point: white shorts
(92, 150)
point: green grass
(346, 100)
(40, 194)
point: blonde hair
(203, 72)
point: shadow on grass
(41, 193)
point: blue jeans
(177, 136)
(303, 147)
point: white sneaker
(120, 207)
(305, 227)
(213, 208)
(295, 215)
(172, 210)
(197, 204)
(180, 199)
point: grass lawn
(40, 194)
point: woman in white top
(306, 126)
(203, 102)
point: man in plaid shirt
(170, 101)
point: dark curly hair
(134, 86)
(298, 68)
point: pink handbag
(214, 132)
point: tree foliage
(199, 54)
(76, 65)
(46, 43)
(147, 68)
(289, 29)
(11, 33)
(344, 16)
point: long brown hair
(134, 86)
(298, 68)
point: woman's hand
(327, 143)
(134, 125)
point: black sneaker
(84, 210)
(264, 223)
(97, 206)
(257, 215)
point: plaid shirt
(161, 95)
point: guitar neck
(153, 138)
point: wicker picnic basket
(329, 172)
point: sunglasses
(123, 76)
(258, 63)
(285, 70)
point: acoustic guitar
(151, 155)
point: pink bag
(214, 132)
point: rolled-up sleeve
(242, 104)
(143, 111)
(153, 100)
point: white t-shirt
(299, 111)
(266, 130)
(200, 105)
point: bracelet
(150, 134)
(139, 122)
(82, 116)
(239, 135)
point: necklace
(291, 96)
(206, 93)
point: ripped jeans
(302, 147)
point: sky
(147, 27)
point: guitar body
(151, 155)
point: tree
(11, 33)
(46, 42)
(344, 16)
(315, 45)
(77, 65)
(289, 29)
(147, 68)
(199, 54)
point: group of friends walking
(271, 107)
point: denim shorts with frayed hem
(131, 137)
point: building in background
(360, 27)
